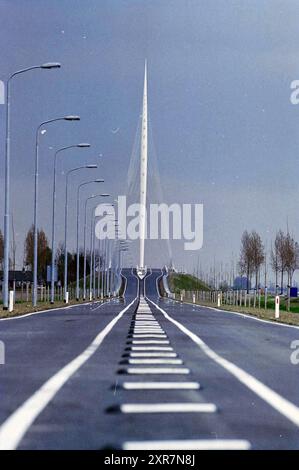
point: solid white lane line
(193, 444)
(153, 354)
(157, 370)
(151, 348)
(18, 423)
(161, 385)
(50, 310)
(168, 408)
(150, 341)
(276, 401)
(155, 361)
(246, 316)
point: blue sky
(219, 72)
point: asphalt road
(155, 375)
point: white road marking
(276, 401)
(146, 320)
(148, 327)
(161, 385)
(158, 370)
(146, 323)
(193, 444)
(18, 423)
(148, 330)
(155, 361)
(150, 335)
(49, 310)
(244, 315)
(144, 315)
(168, 408)
(150, 341)
(151, 348)
(153, 354)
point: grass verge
(289, 318)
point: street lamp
(35, 236)
(81, 145)
(50, 65)
(109, 257)
(92, 256)
(85, 226)
(65, 224)
(78, 210)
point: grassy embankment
(178, 282)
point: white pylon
(143, 178)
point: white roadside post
(11, 300)
(277, 299)
(219, 299)
(193, 298)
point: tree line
(45, 257)
(284, 258)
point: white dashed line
(155, 361)
(194, 444)
(276, 401)
(151, 348)
(150, 341)
(168, 408)
(150, 335)
(153, 354)
(17, 424)
(161, 385)
(158, 370)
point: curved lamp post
(82, 145)
(35, 235)
(85, 227)
(78, 215)
(65, 224)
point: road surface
(151, 375)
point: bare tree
(252, 256)
(280, 256)
(43, 251)
(257, 253)
(291, 255)
(274, 261)
(245, 261)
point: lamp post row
(49, 65)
